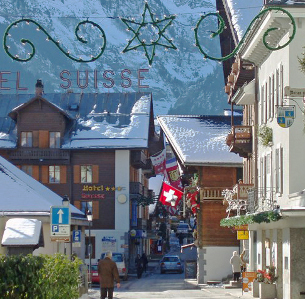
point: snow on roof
(21, 231)
(113, 120)
(21, 193)
(200, 139)
(242, 13)
(96, 131)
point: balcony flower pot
(255, 289)
(267, 290)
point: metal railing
(261, 200)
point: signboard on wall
(108, 244)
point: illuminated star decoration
(155, 23)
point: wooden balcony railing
(39, 154)
(240, 140)
(211, 193)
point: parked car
(120, 260)
(94, 274)
(171, 263)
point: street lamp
(65, 201)
(89, 218)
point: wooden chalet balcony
(211, 193)
(135, 188)
(138, 160)
(240, 140)
(40, 154)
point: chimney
(39, 88)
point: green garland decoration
(146, 201)
(153, 43)
(49, 38)
(267, 217)
(264, 133)
(221, 27)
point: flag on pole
(169, 195)
(173, 173)
(159, 162)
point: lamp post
(89, 218)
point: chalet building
(95, 149)
(26, 201)
(274, 162)
(199, 144)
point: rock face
(181, 81)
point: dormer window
(54, 139)
(26, 139)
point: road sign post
(60, 224)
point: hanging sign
(242, 235)
(285, 115)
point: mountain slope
(176, 78)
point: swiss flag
(169, 195)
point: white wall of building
(218, 264)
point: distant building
(199, 144)
(95, 149)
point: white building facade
(278, 166)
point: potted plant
(267, 289)
(255, 285)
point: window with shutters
(26, 139)
(279, 170)
(54, 174)
(54, 139)
(86, 173)
(27, 169)
(86, 206)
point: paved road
(167, 286)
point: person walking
(139, 266)
(236, 263)
(108, 273)
(145, 262)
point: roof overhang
(245, 95)
(293, 212)
(253, 49)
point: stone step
(213, 282)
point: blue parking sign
(76, 236)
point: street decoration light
(89, 218)
(65, 201)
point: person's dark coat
(108, 273)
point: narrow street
(166, 286)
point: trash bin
(190, 269)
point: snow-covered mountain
(181, 81)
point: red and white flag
(192, 200)
(173, 173)
(169, 195)
(159, 162)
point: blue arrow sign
(60, 216)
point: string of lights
(158, 25)
(221, 27)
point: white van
(119, 259)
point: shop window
(26, 139)
(54, 139)
(54, 174)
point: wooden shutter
(95, 174)
(77, 204)
(43, 139)
(63, 174)
(76, 174)
(36, 172)
(45, 174)
(18, 166)
(95, 210)
(35, 138)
